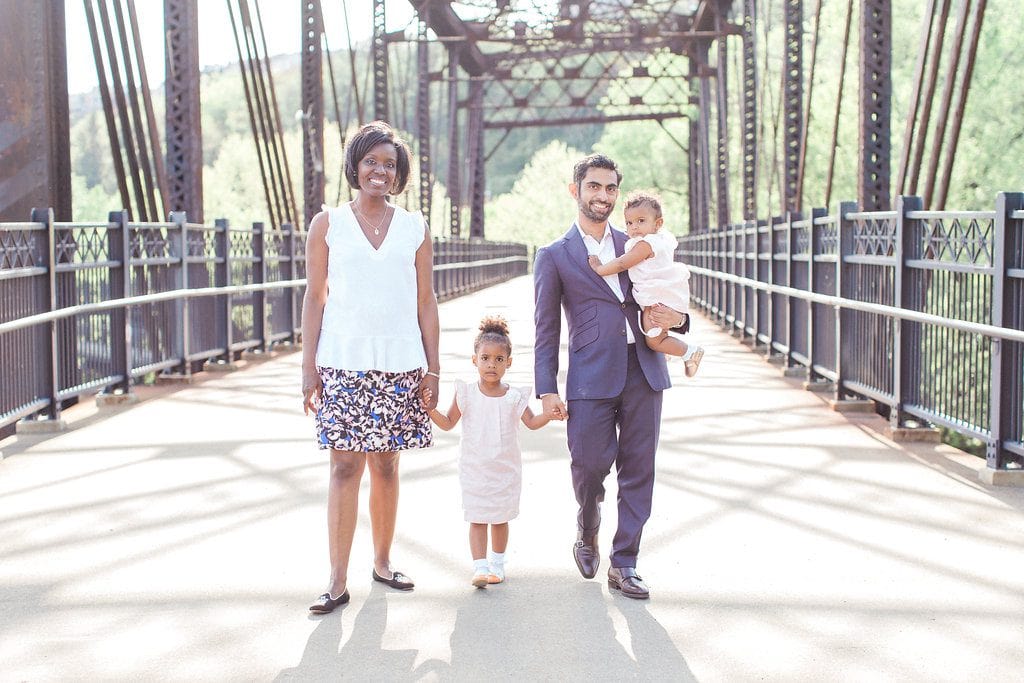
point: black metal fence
(920, 311)
(90, 307)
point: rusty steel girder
(875, 105)
(35, 156)
(312, 110)
(182, 116)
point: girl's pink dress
(490, 464)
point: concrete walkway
(183, 537)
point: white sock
(497, 559)
(690, 348)
(481, 567)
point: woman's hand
(312, 391)
(428, 392)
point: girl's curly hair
(493, 329)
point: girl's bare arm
(535, 421)
(640, 251)
(446, 422)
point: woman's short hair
(368, 137)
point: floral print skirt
(371, 411)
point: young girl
(490, 465)
(656, 276)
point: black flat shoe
(325, 603)
(398, 580)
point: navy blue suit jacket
(597, 324)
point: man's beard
(594, 214)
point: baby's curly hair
(640, 197)
(493, 329)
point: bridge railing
(919, 311)
(91, 307)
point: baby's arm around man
(640, 251)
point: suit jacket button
(623, 306)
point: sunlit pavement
(183, 537)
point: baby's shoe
(691, 361)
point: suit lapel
(576, 250)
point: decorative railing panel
(920, 311)
(104, 305)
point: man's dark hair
(594, 161)
(368, 137)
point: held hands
(428, 392)
(312, 391)
(554, 407)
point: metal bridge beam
(792, 102)
(312, 110)
(35, 156)
(875, 105)
(380, 63)
(423, 111)
(182, 116)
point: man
(614, 384)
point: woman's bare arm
(313, 309)
(430, 325)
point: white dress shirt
(605, 251)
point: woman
(369, 328)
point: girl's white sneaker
(480, 579)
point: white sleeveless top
(371, 319)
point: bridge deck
(183, 537)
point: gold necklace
(376, 229)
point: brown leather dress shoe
(586, 555)
(626, 579)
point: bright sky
(216, 43)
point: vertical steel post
(749, 104)
(875, 105)
(45, 216)
(312, 110)
(119, 238)
(184, 342)
(1003, 372)
(790, 327)
(476, 158)
(222, 278)
(844, 232)
(792, 101)
(380, 62)
(722, 106)
(288, 272)
(423, 110)
(902, 298)
(454, 161)
(259, 275)
(812, 316)
(183, 119)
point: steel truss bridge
(889, 298)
